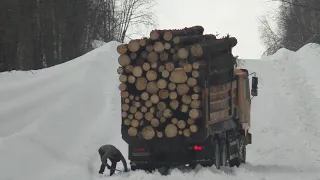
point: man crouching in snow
(114, 155)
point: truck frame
(223, 134)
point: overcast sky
(239, 18)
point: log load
(160, 81)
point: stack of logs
(159, 76)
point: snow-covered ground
(52, 121)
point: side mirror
(254, 87)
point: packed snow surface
(52, 121)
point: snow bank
(52, 121)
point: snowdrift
(52, 121)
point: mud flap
(248, 138)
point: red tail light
(141, 150)
(198, 148)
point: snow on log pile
(160, 81)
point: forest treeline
(36, 34)
(298, 23)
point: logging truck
(183, 100)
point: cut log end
(171, 130)
(148, 132)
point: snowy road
(53, 121)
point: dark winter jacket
(113, 154)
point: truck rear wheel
(217, 154)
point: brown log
(155, 122)
(120, 70)
(183, 53)
(149, 48)
(192, 82)
(146, 66)
(167, 46)
(133, 56)
(154, 99)
(173, 95)
(174, 121)
(132, 131)
(186, 99)
(148, 103)
(138, 115)
(151, 75)
(152, 109)
(148, 132)
(172, 86)
(163, 119)
(162, 83)
(143, 41)
(137, 71)
(169, 66)
(212, 46)
(124, 114)
(152, 87)
(182, 89)
(137, 98)
(171, 130)
(137, 104)
(141, 83)
(122, 87)
(187, 67)
(143, 109)
(159, 114)
(172, 50)
(127, 122)
(139, 61)
(195, 96)
(122, 48)
(195, 73)
(184, 108)
(193, 128)
(141, 123)
(186, 132)
(168, 34)
(195, 104)
(194, 113)
(180, 132)
(131, 97)
(163, 94)
(161, 68)
(158, 47)
(182, 63)
(160, 134)
(153, 57)
(161, 106)
(164, 56)
(148, 116)
(175, 57)
(124, 94)
(133, 109)
(181, 124)
(199, 64)
(123, 78)
(127, 100)
(128, 69)
(125, 107)
(165, 73)
(154, 65)
(144, 96)
(134, 45)
(167, 113)
(188, 40)
(178, 75)
(174, 104)
(124, 60)
(191, 121)
(197, 89)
